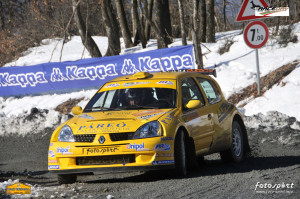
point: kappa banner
(90, 72)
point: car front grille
(121, 136)
(84, 138)
(106, 160)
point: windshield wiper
(99, 108)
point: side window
(210, 89)
(190, 90)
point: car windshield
(132, 98)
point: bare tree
(138, 32)
(111, 27)
(149, 9)
(86, 38)
(161, 39)
(181, 14)
(167, 28)
(210, 21)
(202, 20)
(224, 14)
(123, 23)
(196, 42)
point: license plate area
(106, 160)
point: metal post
(257, 70)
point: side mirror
(192, 104)
(77, 110)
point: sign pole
(258, 73)
(256, 35)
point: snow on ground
(236, 69)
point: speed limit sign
(256, 34)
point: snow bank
(236, 69)
(32, 123)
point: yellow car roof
(155, 75)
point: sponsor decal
(23, 79)
(163, 162)
(137, 147)
(91, 72)
(53, 167)
(162, 147)
(18, 188)
(165, 82)
(192, 115)
(51, 154)
(167, 138)
(164, 155)
(149, 116)
(90, 151)
(52, 161)
(145, 113)
(86, 116)
(80, 73)
(161, 64)
(63, 151)
(134, 83)
(103, 128)
(112, 85)
(224, 111)
(119, 113)
(51, 144)
(167, 119)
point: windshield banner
(93, 72)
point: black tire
(192, 163)
(180, 154)
(200, 161)
(236, 152)
(66, 178)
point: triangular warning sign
(247, 11)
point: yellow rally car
(148, 121)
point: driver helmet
(135, 96)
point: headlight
(66, 134)
(151, 129)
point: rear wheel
(180, 154)
(236, 152)
(66, 178)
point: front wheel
(180, 154)
(236, 152)
(66, 178)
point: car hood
(114, 121)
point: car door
(197, 120)
(220, 112)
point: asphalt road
(271, 172)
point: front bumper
(103, 170)
(145, 154)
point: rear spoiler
(202, 71)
